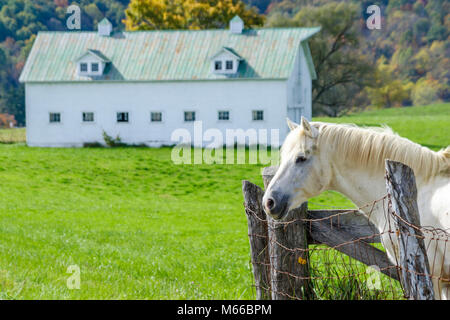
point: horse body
(317, 157)
(432, 199)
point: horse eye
(300, 159)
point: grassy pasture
(15, 135)
(428, 125)
(140, 227)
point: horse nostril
(270, 203)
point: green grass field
(16, 135)
(428, 126)
(138, 226)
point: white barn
(141, 86)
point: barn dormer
(226, 61)
(91, 63)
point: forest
(405, 63)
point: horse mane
(370, 147)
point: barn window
(189, 116)
(224, 115)
(54, 117)
(258, 115)
(156, 117)
(88, 117)
(218, 65)
(122, 116)
(83, 67)
(229, 65)
(94, 67)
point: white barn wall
(299, 88)
(306, 82)
(206, 98)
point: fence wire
(324, 271)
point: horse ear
(308, 129)
(291, 125)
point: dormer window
(83, 67)
(217, 65)
(94, 67)
(226, 62)
(91, 63)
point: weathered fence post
(258, 236)
(415, 269)
(289, 259)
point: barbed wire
(333, 273)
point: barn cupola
(236, 25)
(91, 63)
(225, 61)
(104, 28)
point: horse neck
(358, 184)
(364, 186)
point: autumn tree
(387, 90)
(187, 14)
(426, 91)
(7, 121)
(342, 69)
(20, 20)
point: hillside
(407, 62)
(20, 21)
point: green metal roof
(96, 53)
(309, 60)
(104, 21)
(165, 55)
(236, 18)
(229, 50)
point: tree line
(406, 62)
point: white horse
(322, 156)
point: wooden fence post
(415, 269)
(258, 236)
(289, 259)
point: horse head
(301, 173)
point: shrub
(112, 142)
(425, 92)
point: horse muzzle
(275, 204)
